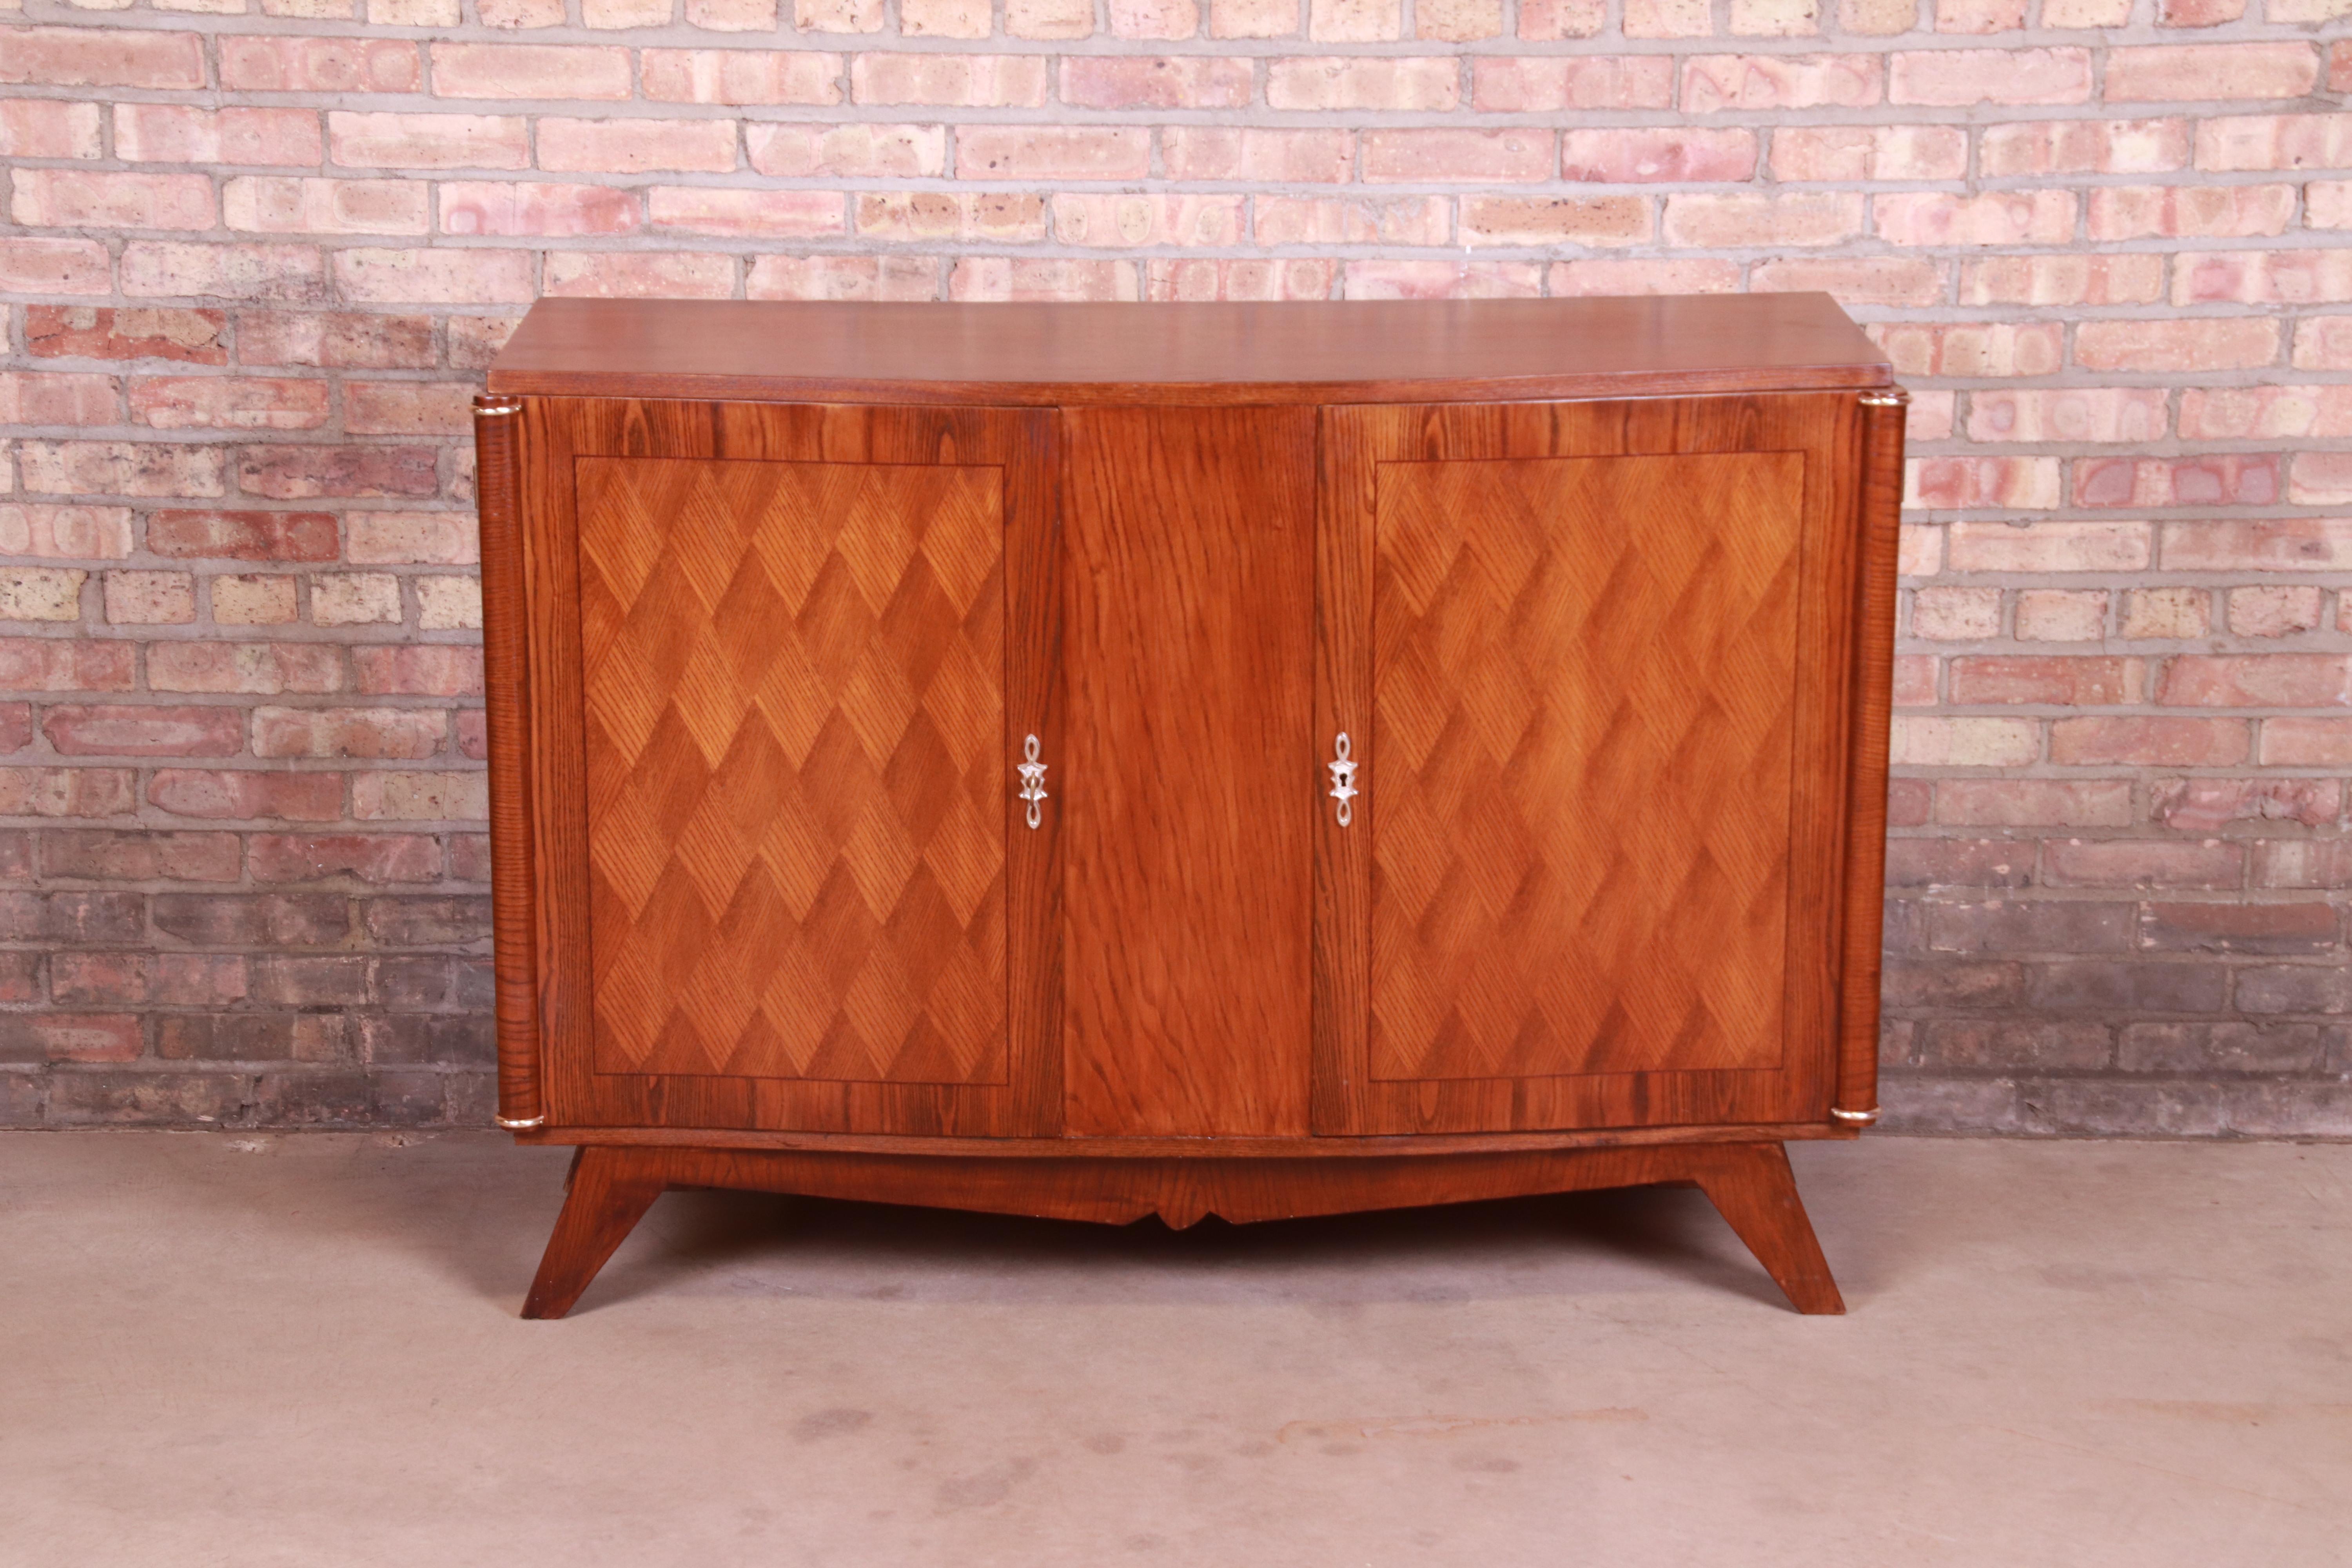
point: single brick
(119, 468)
(1052, 152)
(68, 792)
(796, 214)
(420, 796)
(2050, 547)
(1145, 81)
(89, 198)
(228, 403)
(65, 664)
(2190, 345)
(530, 70)
(2033, 803)
(266, 669)
(2076, 416)
(178, 134)
(2189, 212)
(2249, 478)
(101, 729)
(1377, 83)
(87, 331)
(742, 76)
(1972, 349)
(859, 151)
(383, 139)
(274, 204)
(637, 146)
(960, 81)
(1714, 83)
(543, 209)
(306, 472)
(2190, 72)
(2043, 678)
(42, 266)
(2209, 804)
(1217, 152)
(150, 598)
(2257, 680)
(2012, 484)
(108, 854)
(1549, 83)
(434, 277)
(1966, 742)
(2175, 612)
(626, 275)
(1797, 217)
(2148, 743)
(1141, 220)
(1441, 280)
(364, 733)
(1677, 155)
(336, 340)
(1295, 279)
(1959, 78)
(2060, 614)
(376, 858)
(42, 397)
(2273, 611)
(2264, 412)
(1846, 153)
(2084, 147)
(1591, 221)
(112, 57)
(301, 64)
(247, 795)
(1996, 218)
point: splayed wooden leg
(609, 1191)
(1753, 1186)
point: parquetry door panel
(794, 676)
(1580, 688)
(1595, 712)
(797, 890)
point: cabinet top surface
(1354, 350)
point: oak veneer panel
(1189, 789)
(1214, 352)
(1582, 669)
(1757, 1080)
(663, 472)
(795, 680)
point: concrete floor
(302, 1349)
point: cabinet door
(783, 661)
(1592, 659)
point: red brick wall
(257, 252)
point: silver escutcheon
(1033, 781)
(1343, 780)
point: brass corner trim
(520, 1123)
(1891, 397)
(1856, 1118)
(488, 404)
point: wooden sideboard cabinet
(1098, 761)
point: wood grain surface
(794, 678)
(498, 461)
(1189, 784)
(758, 547)
(1598, 650)
(1880, 520)
(1213, 353)
(1748, 1181)
(1582, 669)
